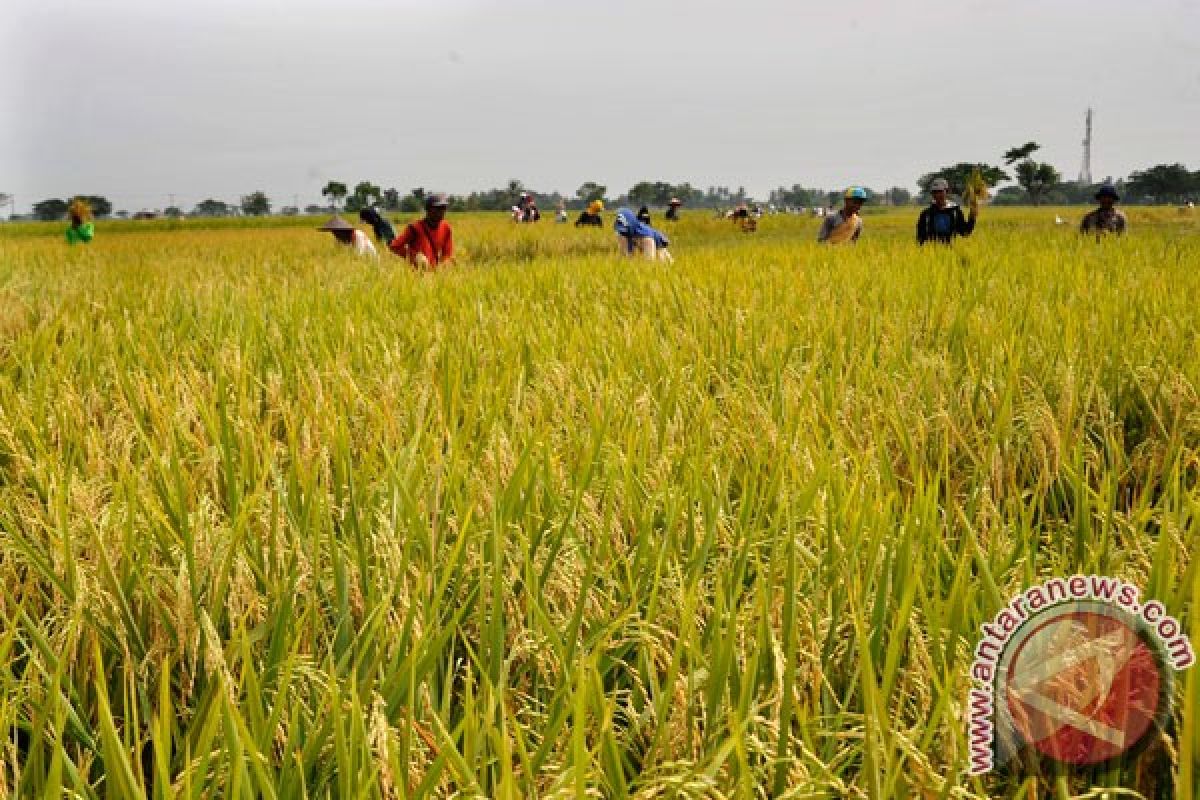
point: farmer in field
(427, 243)
(384, 231)
(590, 216)
(349, 236)
(643, 215)
(845, 225)
(81, 229)
(943, 220)
(1107, 218)
(673, 209)
(526, 209)
(635, 236)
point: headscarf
(628, 225)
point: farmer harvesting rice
(350, 236)
(591, 215)
(1107, 218)
(743, 219)
(845, 225)
(427, 243)
(81, 230)
(673, 209)
(633, 236)
(526, 209)
(384, 231)
(943, 220)
(643, 215)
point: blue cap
(856, 193)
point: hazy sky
(141, 99)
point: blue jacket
(628, 225)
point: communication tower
(1085, 172)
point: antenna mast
(1085, 172)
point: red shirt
(436, 244)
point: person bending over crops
(943, 220)
(1107, 218)
(384, 231)
(427, 243)
(591, 215)
(81, 229)
(845, 225)
(349, 236)
(635, 236)
(526, 209)
(643, 215)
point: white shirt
(363, 246)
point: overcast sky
(141, 99)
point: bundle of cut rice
(80, 208)
(975, 194)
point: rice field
(279, 523)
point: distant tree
(289, 211)
(898, 196)
(51, 209)
(1009, 196)
(391, 200)
(1036, 178)
(795, 197)
(689, 195)
(1015, 154)
(365, 193)
(1164, 183)
(256, 204)
(515, 187)
(99, 204)
(957, 175)
(589, 191)
(645, 193)
(172, 212)
(641, 193)
(335, 191)
(414, 200)
(208, 208)
(313, 208)
(5, 199)
(122, 214)
(1074, 192)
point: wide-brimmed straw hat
(336, 223)
(675, 201)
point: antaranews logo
(1079, 669)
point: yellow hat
(595, 207)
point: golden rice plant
(276, 522)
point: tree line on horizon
(1035, 183)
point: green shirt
(80, 233)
